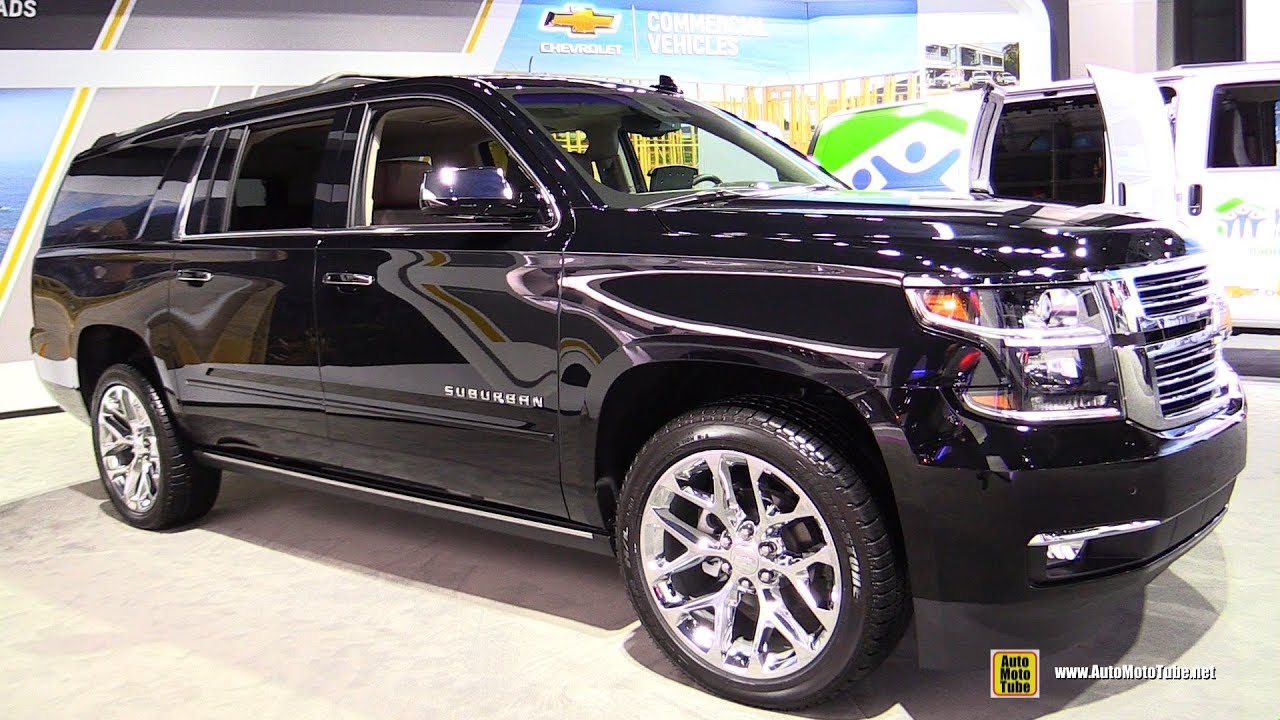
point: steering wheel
(705, 178)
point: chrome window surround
(364, 106)
(1129, 324)
(188, 196)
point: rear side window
(261, 177)
(1051, 150)
(105, 198)
(1244, 126)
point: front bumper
(972, 493)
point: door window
(261, 177)
(1244, 128)
(407, 143)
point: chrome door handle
(195, 277)
(347, 279)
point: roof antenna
(666, 84)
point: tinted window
(159, 225)
(1244, 129)
(275, 186)
(105, 198)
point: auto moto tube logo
(1015, 673)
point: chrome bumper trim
(1093, 533)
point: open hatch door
(1139, 142)
(942, 144)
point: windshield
(639, 148)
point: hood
(931, 233)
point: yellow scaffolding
(791, 112)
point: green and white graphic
(1239, 219)
(913, 146)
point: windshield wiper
(731, 193)
(698, 198)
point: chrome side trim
(250, 466)
(1093, 533)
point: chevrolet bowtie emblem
(580, 21)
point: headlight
(1050, 344)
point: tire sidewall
(136, 383)
(839, 654)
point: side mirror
(464, 187)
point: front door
(242, 314)
(438, 327)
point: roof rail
(330, 83)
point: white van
(1105, 141)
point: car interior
(1244, 127)
(276, 184)
(1052, 149)
(407, 143)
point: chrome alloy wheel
(740, 565)
(128, 447)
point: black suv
(795, 412)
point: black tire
(870, 621)
(185, 491)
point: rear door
(245, 362)
(439, 328)
(1141, 171)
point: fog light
(1064, 552)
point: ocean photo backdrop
(29, 120)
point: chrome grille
(1187, 377)
(1184, 372)
(1175, 292)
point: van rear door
(1141, 174)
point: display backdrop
(783, 64)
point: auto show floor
(290, 603)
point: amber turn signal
(959, 305)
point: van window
(105, 197)
(408, 141)
(1053, 149)
(1244, 126)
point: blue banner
(753, 42)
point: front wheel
(146, 466)
(757, 559)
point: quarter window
(106, 197)
(1244, 129)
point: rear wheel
(757, 559)
(146, 467)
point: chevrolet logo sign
(580, 21)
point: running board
(510, 524)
